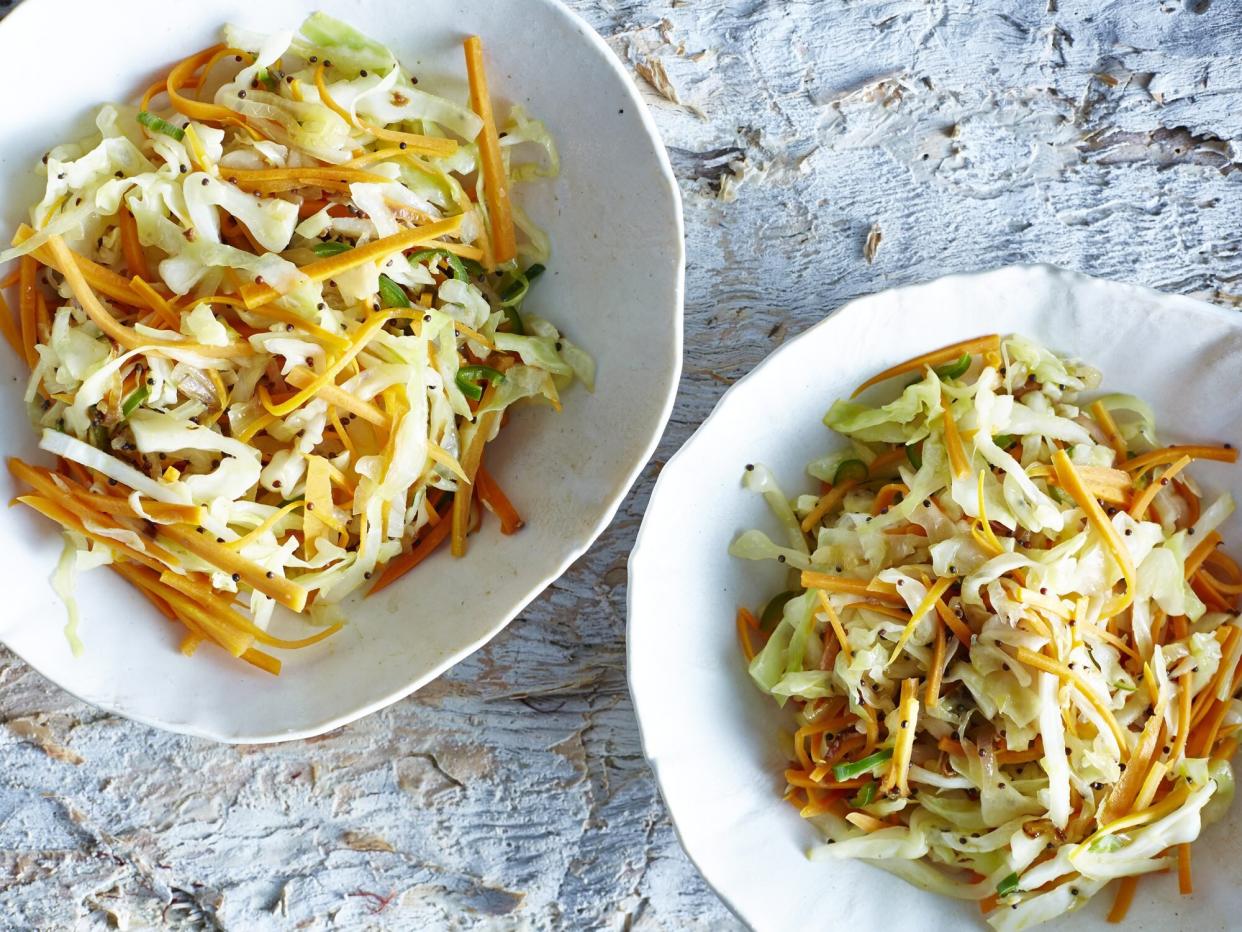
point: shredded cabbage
(313, 434)
(1075, 611)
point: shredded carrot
(301, 377)
(989, 903)
(826, 503)
(1185, 884)
(748, 648)
(834, 621)
(931, 695)
(929, 602)
(1140, 464)
(1069, 480)
(179, 77)
(284, 591)
(265, 662)
(1048, 665)
(887, 495)
(414, 143)
(262, 528)
(358, 341)
(1195, 558)
(945, 354)
(12, 278)
(28, 308)
(1109, 426)
(495, 499)
(470, 460)
(114, 329)
(859, 587)
(954, 624)
(503, 241)
(953, 441)
(1123, 899)
(131, 248)
(102, 279)
(256, 295)
(423, 548)
(154, 300)
(1145, 498)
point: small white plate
(711, 736)
(614, 285)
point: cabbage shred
(311, 401)
(1014, 681)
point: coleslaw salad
(1009, 638)
(274, 314)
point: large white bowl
(711, 735)
(614, 284)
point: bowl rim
(15, 20)
(653, 759)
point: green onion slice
(136, 398)
(469, 377)
(773, 611)
(850, 770)
(515, 320)
(954, 370)
(850, 469)
(157, 125)
(392, 294)
(865, 795)
(914, 453)
(456, 265)
(1007, 885)
(331, 248)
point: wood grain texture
(825, 150)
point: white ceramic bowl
(711, 735)
(614, 285)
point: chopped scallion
(850, 469)
(157, 125)
(848, 771)
(469, 377)
(136, 398)
(955, 369)
(331, 248)
(392, 294)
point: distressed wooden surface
(825, 151)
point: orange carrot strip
(494, 498)
(1140, 464)
(425, 546)
(135, 258)
(1185, 884)
(1123, 899)
(936, 357)
(955, 624)
(504, 238)
(28, 308)
(1143, 502)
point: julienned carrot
(131, 248)
(495, 499)
(432, 538)
(27, 308)
(1123, 899)
(1185, 883)
(934, 358)
(495, 190)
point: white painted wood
(511, 793)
